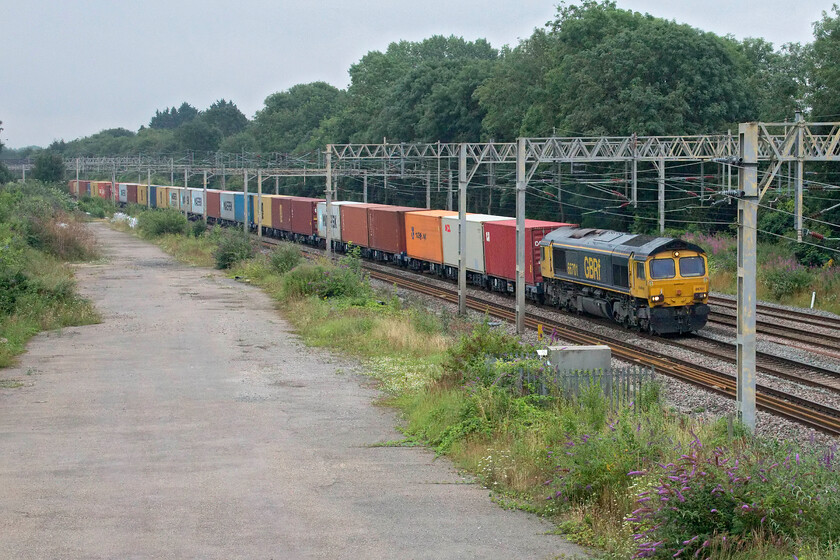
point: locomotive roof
(626, 243)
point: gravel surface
(680, 396)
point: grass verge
(39, 231)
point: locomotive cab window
(640, 271)
(662, 268)
(692, 266)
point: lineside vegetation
(632, 481)
(40, 230)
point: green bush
(285, 257)
(97, 207)
(234, 246)
(198, 228)
(155, 223)
(785, 277)
(469, 356)
(737, 495)
(324, 281)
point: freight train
(653, 284)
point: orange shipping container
(423, 239)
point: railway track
(767, 323)
(804, 317)
(777, 366)
(797, 409)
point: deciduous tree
(49, 167)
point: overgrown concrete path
(192, 424)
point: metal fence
(621, 387)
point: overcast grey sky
(72, 68)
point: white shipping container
(197, 201)
(475, 240)
(335, 220)
(174, 197)
(186, 202)
(226, 208)
(123, 192)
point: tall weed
(65, 237)
(784, 277)
(233, 246)
(285, 257)
(155, 223)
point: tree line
(594, 69)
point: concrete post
(449, 192)
(521, 183)
(747, 221)
(245, 200)
(661, 195)
(186, 189)
(328, 193)
(364, 187)
(462, 233)
(800, 165)
(258, 210)
(559, 179)
(204, 199)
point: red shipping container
(354, 224)
(84, 188)
(386, 227)
(104, 189)
(281, 213)
(214, 204)
(500, 248)
(131, 192)
(304, 214)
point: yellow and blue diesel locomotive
(654, 284)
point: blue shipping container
(251, 215)
(153, 196)
(239, 207)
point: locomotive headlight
(657, 298)
(700, 295)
